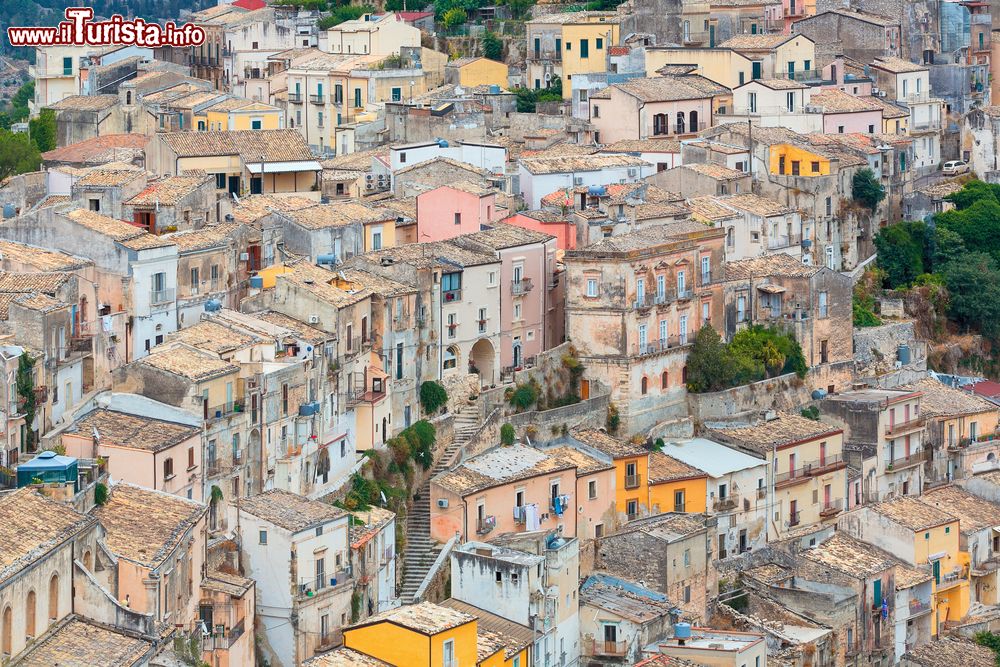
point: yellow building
(808, 474)
(564, 44)
(471, 72)
(962, 424)
(239, 114)
(723, 66)
(924, 536)
(675, 486)
(792, 160)
(631, 471)
(428, 634)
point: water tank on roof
(682, 630)
(9, 211)
(213, 306)
(818, 394)
(256, 282)
(442, 143)
(903, 354)
(597, 191)
(330, 259)
(494, 89)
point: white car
(954, 167)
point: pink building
(547, 222)
(517, 489)
(530, 298)
(843, 113)
(450, 210)
(665, 106)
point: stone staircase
(420, 551)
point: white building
(543, 176)
(373, 559)
(297, 550)
(490, 157)
(371, 34)
(737, 492)
(909, 85)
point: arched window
(29, 615)
(645, 385)
(664, 380)
(7, 631)
(87, 561)
(684, 375)
(54, 595)
(450, 357)
(693, 118)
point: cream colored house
(370, 35)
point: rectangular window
(256, 124)
(592, 287)
(397, 94)
(599, 44)
(357, 98)
(591, 489)
(823, 304)
(584, 48)
(262, 537)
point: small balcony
(696, 38)
(657, 346)
(295, 98)
(519, 515)
(317, 99)
(223, 410)
(217, 468)
(161, 296)
(787, 241)
(950, 579)
(323, 582)
(794, 10)
(919, 607)
(688, 128)
(223, 641)
(633, 481)
(726, 504)
(606, 647)
(545, 55)
(761, 493)
(452, 296)
(911, 461)
(521, 287)
(794, 519)
(680, 508)
(486, 525)
(898, 428)
(832, 508)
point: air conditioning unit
(442, 502)
(369, 178)
(578, 180)
(881, 93)
(314, 319)
(369, 186)
(244, 257)
(875, 91)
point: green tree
(344, 13)
(710, 365)
(18, 154)
(492, 46)
(507, 434)
(974, 293)
(25, 385)
(432, 396)
(901, 250)
(519, 8)
(454, 17)
(948, 246)
(991, 641)
(866, 190)
(978, 224)
(972, 192)
(395, 6)
(43, 130)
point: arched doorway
(54, 595)
(8, 622)
(29, 615)
(483, 358)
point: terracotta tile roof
(778, 264)
(79, 643)
(501, 236)
(99, 150)
(938, 400)
(889, 110)
(779, 84)
(212, 337)
(443, 160)
(433, 254)
(6, 298)
(668, 527)
(911, 513)
(663, 468)
(40, 302)
(558, 165)
(786, 428)
(756, 42)
(255, 207)
(513, 637)
(106, 177)
(656, 211)
(41, 259)
(357, 161)
(498, 466)
(897, 65)
(472, 188)
(948, 652)
(574, 17)
(167, 191)
(717, 171)
(755, 204)
(85, 103)
(942, 189)
(850, 556)
(275, 145)
(116, 230)
(623, 598)
(303, 330)
(145, 526)
(321, 283)
(340, 214)
(908, 577)
(47, 283)
(344, 657)
(224, 582)
(378, 284)
(131, 431)
(31, 526)
(194, 240)
(834, 100)
(610, 445)
(372, 521)
(291, 511)
(671, 88)
(585, 463)
(650, 238)
(424, 617)
(643, 146)
(709, 209)
(973, 512)
(187, 362)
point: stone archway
(483, 358)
